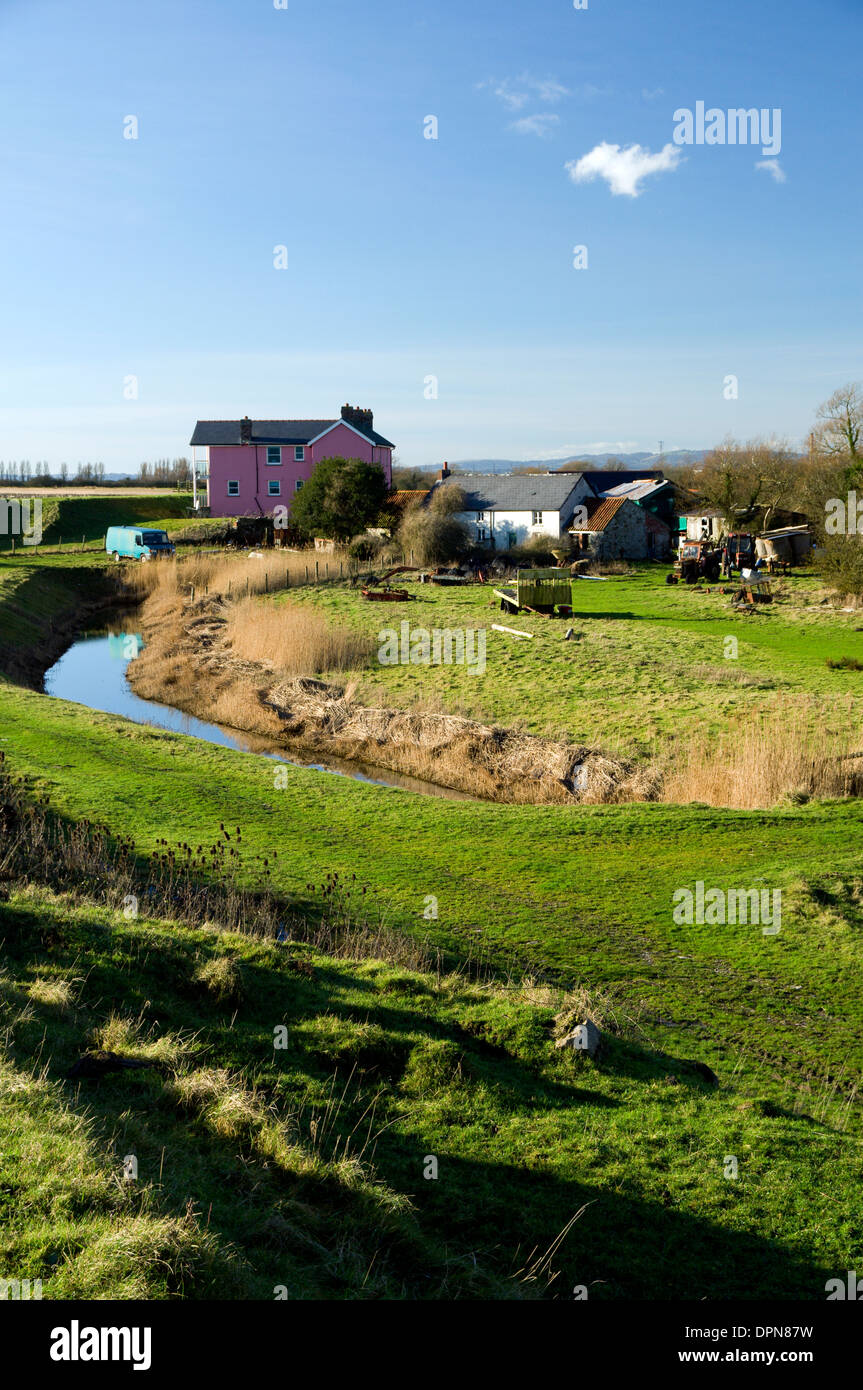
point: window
(274, 453)
(536, 518)
(298, 484)
(274, 487)
(299, 453)
(480, 516)
(233, 487)
(481, 533)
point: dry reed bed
(233, 575)
(766, 759)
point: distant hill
(671, 459)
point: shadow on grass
(321, 1232)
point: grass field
(649, 660)
(581, 895)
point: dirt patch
(188, 663)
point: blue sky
(408, 257)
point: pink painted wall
(247, 464)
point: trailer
(537, 591)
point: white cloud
(547, 90)
(651, 93)
(517, 92)
(774, 168)
(542, 123)
(622, 169)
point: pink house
(252, 466)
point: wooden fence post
(316, 571)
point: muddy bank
(187, 662)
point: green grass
(302, 1166)
(584, 894)
(71, 518)
(649, 659)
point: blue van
(137, 543)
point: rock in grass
(585, 1037)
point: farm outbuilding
(611, 528)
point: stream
(92, 672)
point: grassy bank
(284, 1126)
(76, 519)
(464, 1071)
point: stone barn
(614, 528)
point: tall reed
(778, 755)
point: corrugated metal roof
(637, 489)
(600, 511)
(405, 496)
(602, 480)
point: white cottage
(507, 510)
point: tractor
(696, 560)
(738, 552)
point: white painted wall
(501, 525)
(704, 528)
(504, 524)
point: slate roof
(600, 511)
(275, 432)
(526, 492)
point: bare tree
(746, 479)
(838, 424)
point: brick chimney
(360, 419)
(444, 473)
(245, 430)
